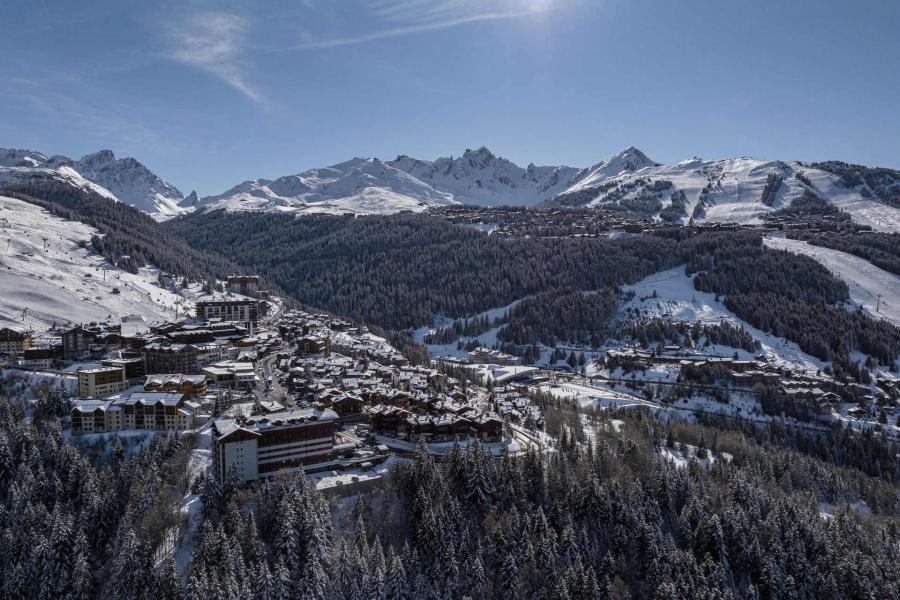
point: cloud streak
(420, 16)
(214, 42)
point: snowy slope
(876, 290)
(677, 299)
(628, 161)
(126, 179)
(131, 182)
(64, 173)
(361, 185)
(14, 157)
(728, 190)
(479, 177)
(44, 270)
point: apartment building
(140, 410)
(261, 446)
(101, 381)
(245, 312)
(170, 358)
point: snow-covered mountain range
(479, 177)
(739, 190)
(125, 179)
(370, 185)
(361, 185)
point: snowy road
(867, 282)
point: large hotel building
(261, 446)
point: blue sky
(208, 94)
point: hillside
(49, 275)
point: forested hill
(130, 238)
(403, 270)
(399, 271)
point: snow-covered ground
(44, 270)
(683, 455)
(330, 479)
(31, 379)
(869, 285)
(499, 373)
(678, 300)
(486, 339)
(864, 211)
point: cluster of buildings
(482, 355)
(373, 382)
(821, 393)
(308, 391)
(333, 376)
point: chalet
(233, 374)
(346, 404)
(388, 419)
(488, 426)
(190, 385)
(313, 344)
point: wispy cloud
(213, 42)
(404, 17)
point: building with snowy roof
(261, 446)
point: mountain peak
(99, 157)
(479, 158)
(635, 156)
(190, 201)
(131, 182)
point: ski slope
(677, 299)
(44, 269)
(876, 290)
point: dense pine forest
(737, 513)
(401, 271)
